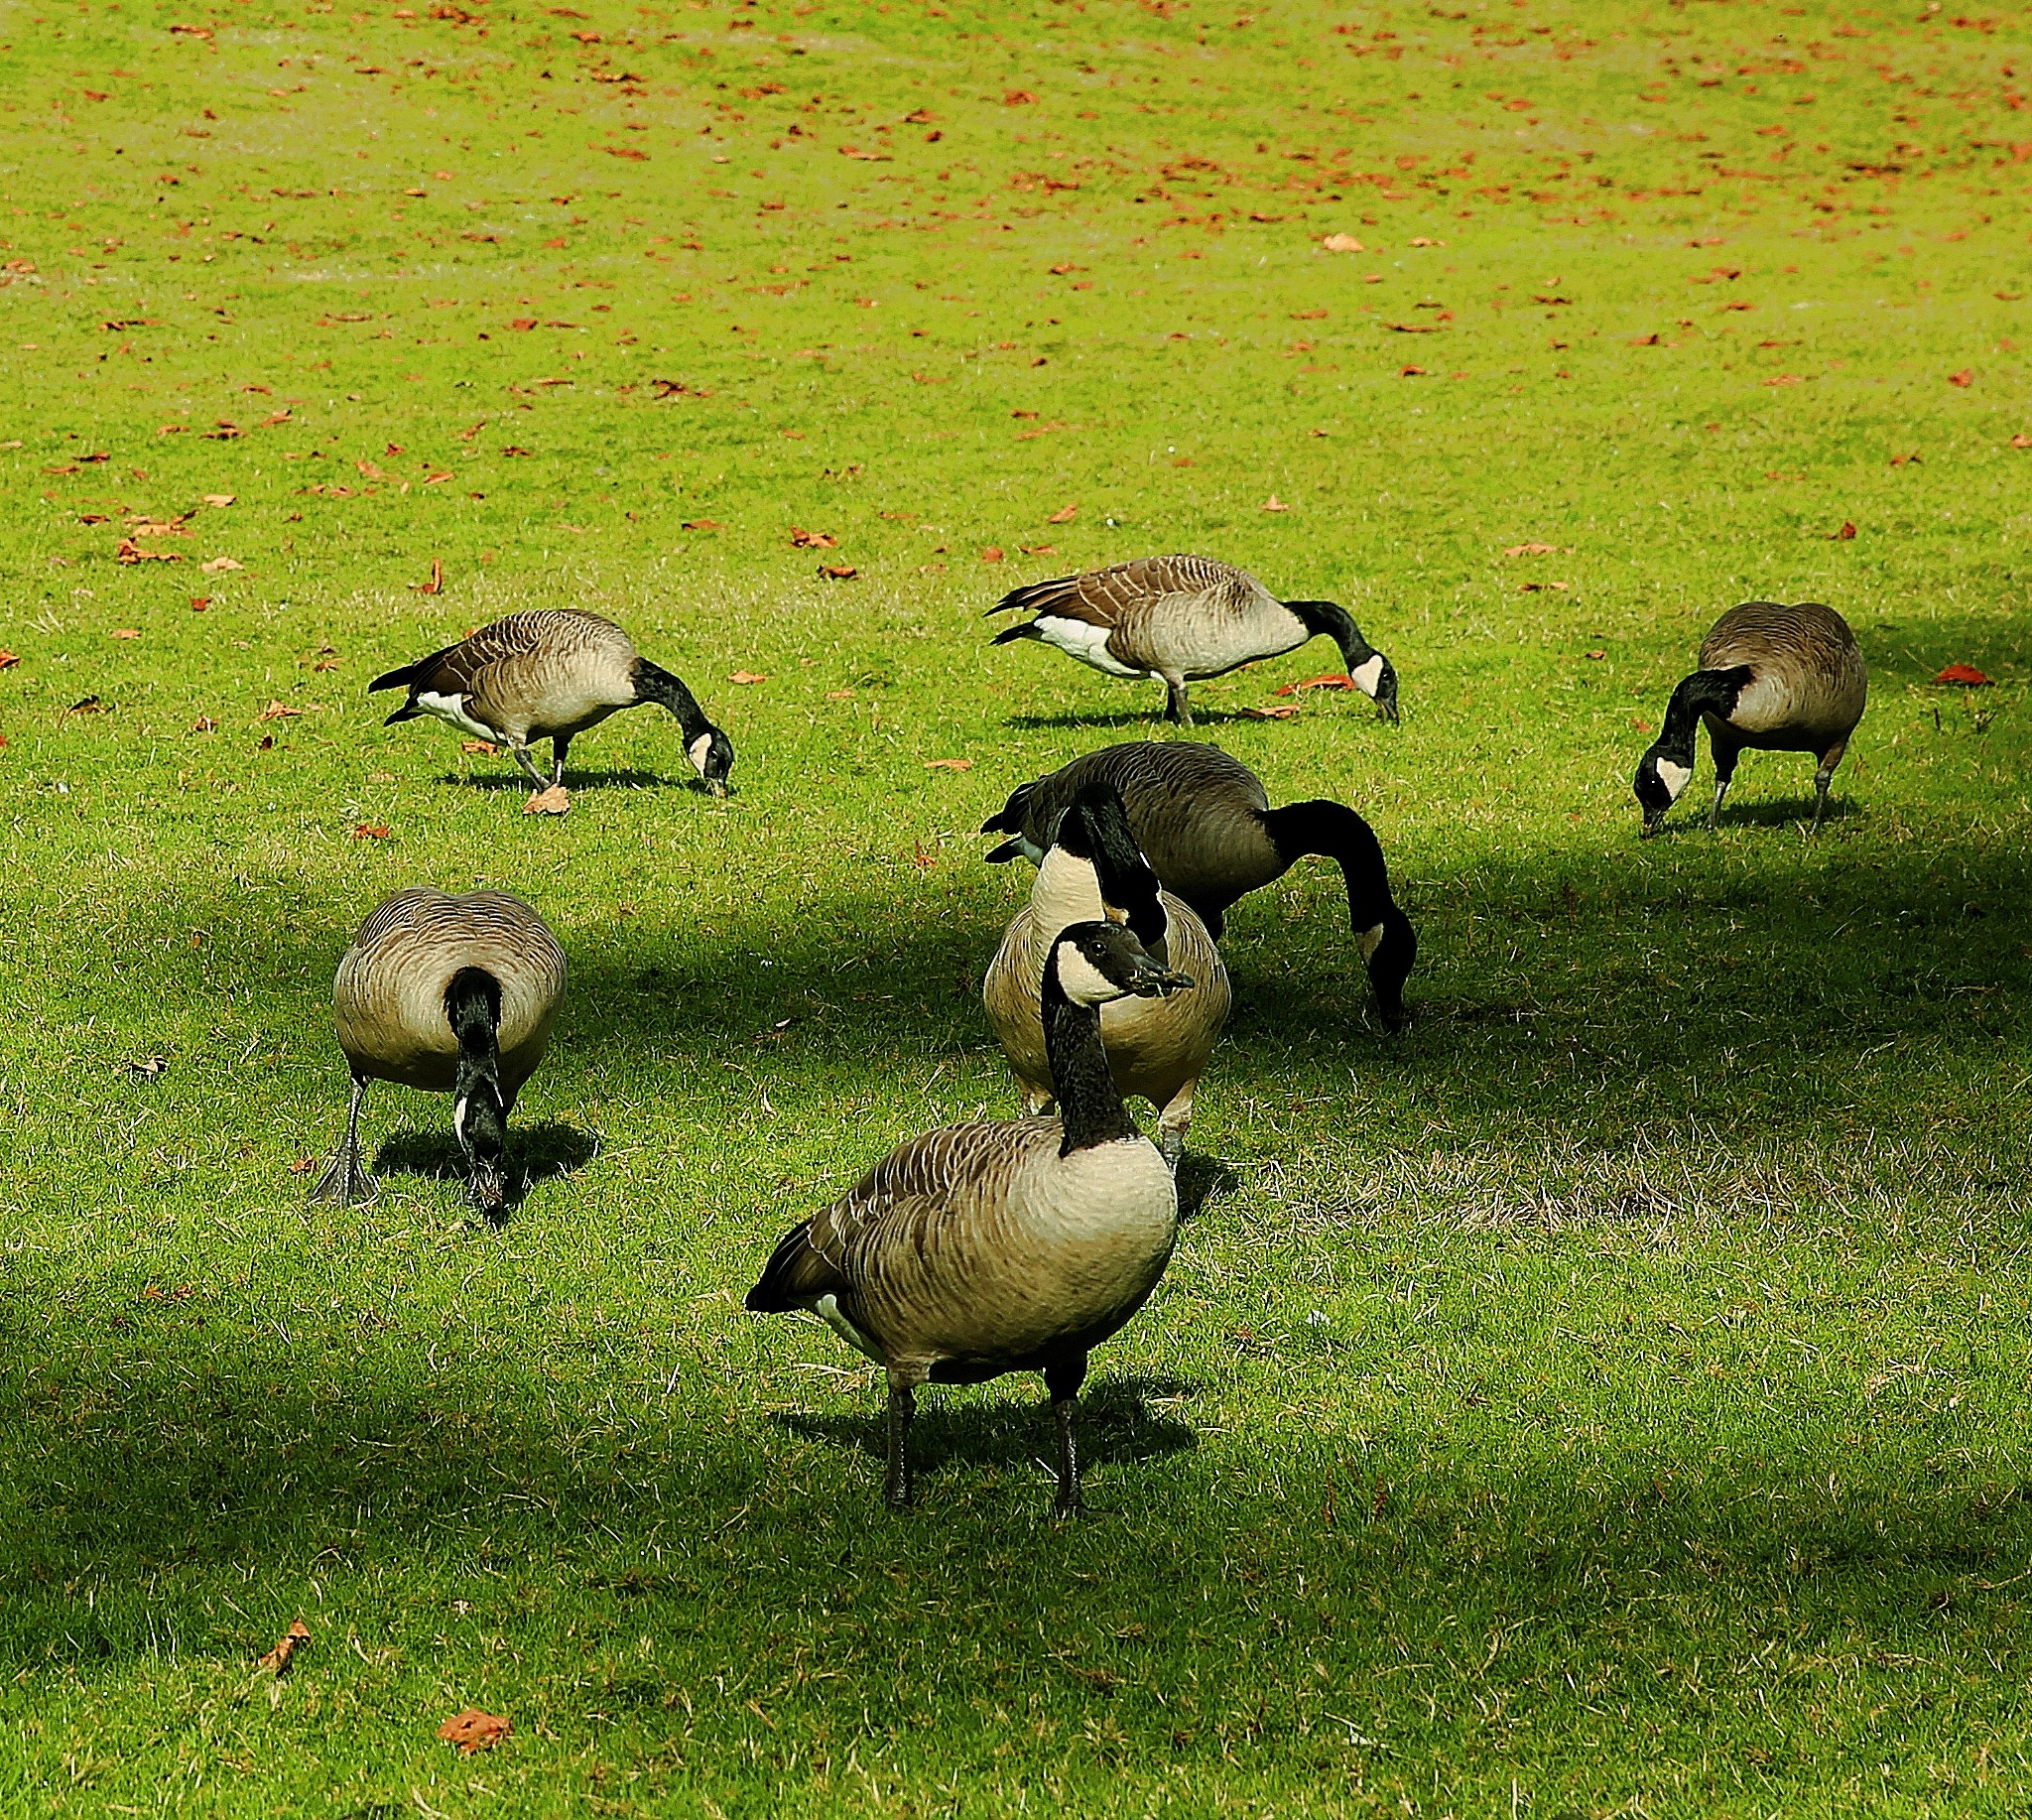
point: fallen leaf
(1063, 515)
(266, 743)
(278, 711)
(701, 524)
(436, 585)
(1595, 656)
(1965, 377)
(1967, 675)
(1539, 588)
(220, 498)
(1642, 727)
(277, 1661)
(1532, 550)
(840, 694)
(812, 540)
(199, 603)
(1018, 97)
(1411, 372)
(204, 724)
(948, 764)
(8, 659)
(2021, 441)
(473, 1729)
(92, 705)
(303, 1165)
(1331, 680)
(1343, 243)
(481, 748)
(838, 571)
(1847, 530)
(370, 831)
(126, 632)
(993, 553)
(1039, 549)
(1271, 713)
(746, 676)
(1275, 504)
(220, 565)
(1423, 241)
(131, 552)
(556, 800)
(1644, 340)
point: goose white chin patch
(451, 707)
(1084, 982)
(1366, 677)
(697, 750)
(1673, 776)
(1088, 643)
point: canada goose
(1205, 823)
(551, 675)
(1156, 1048)
(1180, 617)
(1787, 679)
(450, 994)
(999, 1247)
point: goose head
(1660, 778)
(480, 1122)
(1094, 964)
(712, 756)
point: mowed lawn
(1608, 1397)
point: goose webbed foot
(345, 1179)
(899, 1494)
(529, 767)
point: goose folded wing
(456, 670)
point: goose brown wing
(457, 670)
(1110, 596)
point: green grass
(1608, 1397)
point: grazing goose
(450, 994)
(1787, 679)
(1158, 1048)
(1205, 823)
(995, 1247)
(551, 675)
(1180, 617)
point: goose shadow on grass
(1121, 1421)
(1154, 724)
(575, 780)
(1761, 812)
(536, 1154)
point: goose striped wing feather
(457, 670)
(1111, 596)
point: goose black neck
(1335, 831)
(1089, 1104)
(472, 1004)
(655, 684)
(1336, 623)
(1096, 829)
(1705, 691)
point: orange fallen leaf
(1967, 675)
(1785, 379)
(1965, 378)
(948, 764)
(746, 676)
(1595, 656)
(840, 694)
(199, 603)
(436, 585)
(1271, 713)
(126, 632)
(1018, 97)
(1275, 504)
(277, 711)
(1423, 241)
(481, 748)
(204, 724)
(1539, 588)
(220, 565)
(993, 553)
(1063, 515)
(1343, 243)
(1411, 372)
(1644, 340)
(303, 1165)
(556, 800)
(220, 498)
(131, 552)
(2021, 441)
(277, 1661)
(370, 831)
(1331, 680)
(1847, 530)
(473, 1729)
(812, 540)
(838, 571)
(1532, 550)
(701, 524)
(8, 659)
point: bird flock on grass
(1001, 1245)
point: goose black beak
(715, 786)
(1158, 982)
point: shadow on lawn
(576, 780)
(537, 1153)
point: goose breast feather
(1809, 684)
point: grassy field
(1609, 1397)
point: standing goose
(1156, 1048)
(551, 675)
(1180, 617)
(449, 994)
(1205, 823)
(995, 1247)
(1786, 679)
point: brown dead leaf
(993, 553)
(473, 1729)
(436, 585)
(2021, 441)
(1965, 378)
(220, 565)
(371, 830)
(1343, 243)
(1283, 712)
(279, 711)
(1421, 240)
(204, 724)
(746, 676)
(131, 552)
(812, 540)
(1275, 504)
(1018, 97)
(126, 632)
(1965, 675)
(277, 1661)
(1331, 680)
(948, 764)
(8, 659)
(701, 524)
(220, 498)
(1847, 531)
(1063, 515)
(479, 748)
(1532, 550)
(199, 603)
(1539, 588)
(838, 571)
(556, 800)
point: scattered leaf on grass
(303, 1165)
(1411, 372)
(1282, 713)
(1967, 675)
(204, 724)
(131, 552)
(556, 800)
(838, 571)
(2021, 441)
(278, 711)
(746, 676)
(147, 1068)
(220, 498)
(1018, 97)
(1965, 378)
(1847, 530)
(948, 764)
(371, 830)
(1532, 550)
(1275, 504)
(1063, 515)
(1331, 680)
(1595, 656)
(481, 748)
(277, 1661)
(199, 603)
(92, 705)
(126, 632)
(701, 524)
(8, 659)
(993, 553)
(220, 565)
(473, 1729)
(1343, 243)
(1539, 588)
(812, 540)
(436, 585)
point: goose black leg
(558, 746)
(1063, 1380)
(345, 1178)
(1177, 710)
(1725, 773)
(898, 1492)
(528, 769)
(1822, 780)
